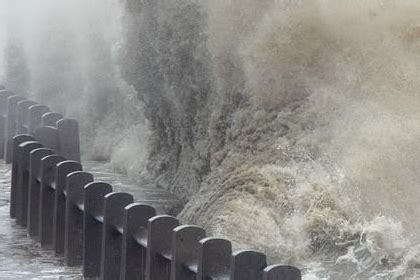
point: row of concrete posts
(107, 233)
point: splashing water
(288, 126)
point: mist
(286, 126)
(65, 53)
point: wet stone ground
(22, 258)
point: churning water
(290, 126)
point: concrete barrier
(4, 95)
(134, 244)
(17, 140)
(185, 251)
(75, 205)
(22, 185)
(51, 119)
(159, 247)
(113, 231)
(283, 272)
(35, 188)
(106, 232)
(93, 229)
(247, 265)
(63, 169)
(68, 138)
(22, 119)
(11, 126)
(47, 196)
(35, 117)
(48, 137)
(214, 258)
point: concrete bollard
(185, 252)
(94, 194)
(68, 135)
(247, 265)
(283, 272)
(47, 195)
(17, 140)
(4, 95)
(11, 126)
(112, 235)
(63, 169)
(35, 188)
(23, 116)
(73, 234)
(22, 188)
(214, 256)
(51, 119)
(35, 117)
(48, 137)
(159, 239)
(133, 261)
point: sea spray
(332, 89)
(71, 50)
(287, 126)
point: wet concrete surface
(22, 258)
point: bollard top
(69, 164)
(29, 145)
(39, 153)
(39, 107)
(53, 159)
(285, 272)
(6, 93)
(247, 265)
(215, 257)
(20, 138)
(25, 104)
(15, 99)
(51, 119)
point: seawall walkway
(22, 257)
